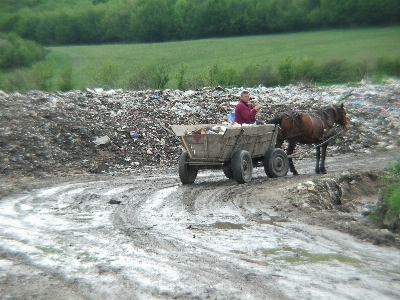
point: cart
(236, 151)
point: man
(245, 112)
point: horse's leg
(289, 151)
(317, 159)
(322, 163)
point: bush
(2, 81)
(153, 76)
(180, 76)
(392, 200)
(286, 71)
(42, 75)
(199, 81)
(66, 83)
(388, 208)
(17, 82)
(307, 70)
(16, 52)
(394, 168)
(107, 76)
(335, 71)
(388, 66)
(224, 76)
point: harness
(295, 119)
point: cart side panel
(205, 145)
(254, 139)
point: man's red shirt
(244, 114)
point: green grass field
(351, 44)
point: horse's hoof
(295, 173)
(323, 172)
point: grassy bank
(352, 45)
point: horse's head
(341, 116)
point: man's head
(245, 96)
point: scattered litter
(57, 133)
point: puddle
(272, 220)
(294, 255)
(219, 225)
(49, 249)
(261, 263)
(238, 252)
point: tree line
(127, 21)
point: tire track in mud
(214, 239)
(176, 211)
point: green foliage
(392, 199)
(286, 70)
(394, 168)
(307, 70)
(391, 193)
(16, 52)
(336, 70)
(66, 83)
(227, 76)
(107, 76)
(255, 75)
(389, 65)
(42, 75)
(19, 81)
(200, 59)
(153, 76)
(62, 22)
(180, 76)
(2, 81)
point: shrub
(392, 200)
(66, 83)
(286, 70)
(180, 76)
(16, 52)
(361, 70)
(153, 76)
(388, 66)
(2, 81)
(107, 76)
(394, 168)
(42, 75)
(199, 81)
(335, 71)
(18, 81)
(389, 203)
(224, 76)
(307, 70)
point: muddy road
(145, 236)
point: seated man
(245, 112)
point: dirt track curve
(148, 237)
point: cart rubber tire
(276, 163)
(242, 166)
(187, 173)
(228, 172)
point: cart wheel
(242, 166)
(276, 163)
(228, 172)
(187, 173)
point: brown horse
(302, 128)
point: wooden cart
(236, 151)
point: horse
(302, 128)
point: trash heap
(96, 131)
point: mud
(146, 236)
